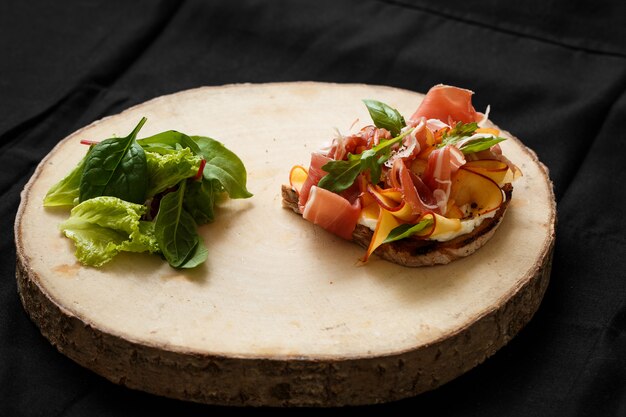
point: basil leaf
(224, 166)
(116, 167)
(406, 230)
(385, 117)
(175, 229)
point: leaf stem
(198, 176)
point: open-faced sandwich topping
(434, 177)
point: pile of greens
(147, 195)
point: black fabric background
(554, 72)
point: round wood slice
(282, 313)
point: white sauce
(369, 223)
(466, 227)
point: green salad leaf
(480, 144)
(200, 198)
(198, 257)
(102, 227)
(385, 117)
(116, 167)
(459, 136)
(175, 228)
(406, 230)
(118, 174)
(224, 166)
(459, 131)
(66, 191)
(167, 170)
(342, 174)
(168, 142)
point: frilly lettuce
(168, 169)
(102, 227)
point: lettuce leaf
(167, 170)
(167, 142)
(102, 227)
(66, 191)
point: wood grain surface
(282, 313)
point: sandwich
(417, 192)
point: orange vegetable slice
(481, 193)
(491, 168)
(297, 176)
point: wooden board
(282, 313)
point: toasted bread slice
(415, 252)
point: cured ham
(417, 195)
(315, 173)
(448, 104)
(368, 136)
(413, 144)
(437, 179)
(442, 165)
(332, 212)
